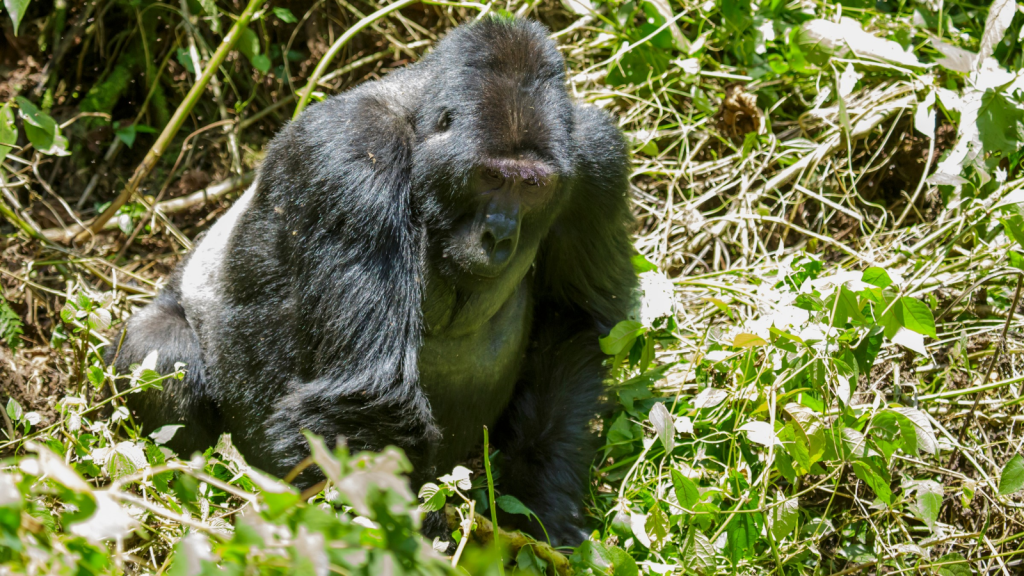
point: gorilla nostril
(502, 251)
(488, 241)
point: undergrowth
(825, 377)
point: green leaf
(8, 131)
(185, 59)
(210, 9)
(918, 317)
(126, 134)
(953, 565)
(697, 552)
(657, 527)
(1016, 259)
(512, 505)
(42, 130)
(877, 277)
(285, 15)
(1011, 479)
(641, 264)
(748, 341)
(876, 477)
(248, 43)
(687, 493)
(261, 62)
(14, 409)
(664, 426)
(783, 517)
(742, 534)
(929, 501)
(607, 560)
(1014, 227)
(433, 497)
(17, 9)
(1001, 122)
(621, 337)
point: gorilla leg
(543, 433)
(162, 327)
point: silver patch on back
(201, 290)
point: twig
(340, 43)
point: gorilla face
(493, 155)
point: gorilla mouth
(526, 169)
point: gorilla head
(494, 147)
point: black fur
(424, 255)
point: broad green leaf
(42, 130)
(1016, 259)
(606, 560)
(261, 62)
(929, 501)
(877, 277)
(621, 337)
(512, 505)
(664, 425)
(686, 491)
(922, 429)
(953, 565)
(1014, 227)
(918, 317)
(657, 527)
(14, 410)
(641, 264)
(1011, 479)
(748, 341)
(782, 518)
(1001, 122)
(876, 477)
(742, 535)
(8, 131)
(285, 15)
(17, 9)
(126, 134)
(697, 552)
(433, 497)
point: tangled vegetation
(825, 376)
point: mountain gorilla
(420, 256)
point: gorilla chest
(469, 368)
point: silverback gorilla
(419, 257)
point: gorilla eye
(532, 182)
(444, 121)
(492, 173)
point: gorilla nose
(499, 238)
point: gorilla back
(419, 256)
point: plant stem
(171, 130)
(340, 43)
(490, 502)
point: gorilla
(419, 257)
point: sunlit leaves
(16, 9)
(42, 130)
(874, 473)
(664, 426)
(1011, 479)
(8, 130)
(697, 552)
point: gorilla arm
(354, 251)
(585, 286)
